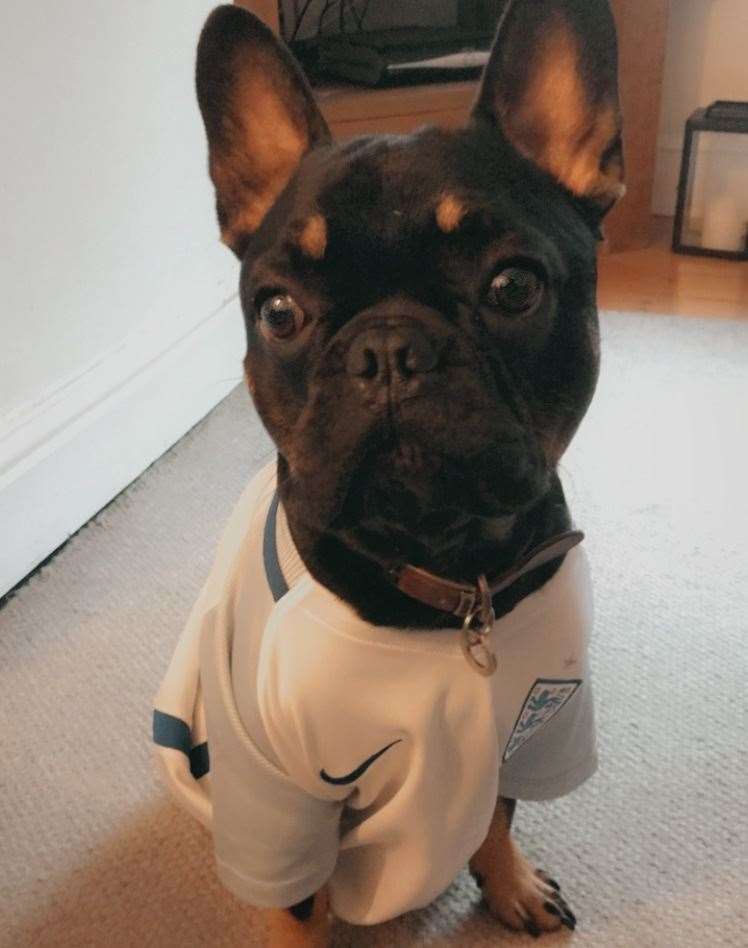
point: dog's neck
(357, 567)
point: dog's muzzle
(391, 357)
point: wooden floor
(656, 280)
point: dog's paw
(523, 898)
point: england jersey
(320, 749)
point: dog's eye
(515, 291)
(281, 317)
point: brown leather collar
(462, 598)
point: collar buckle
(474, 637)
(466, 604)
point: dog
(422, 346)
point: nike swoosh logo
(355, 774)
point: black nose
(387, 355)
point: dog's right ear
(260, 118)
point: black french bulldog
(421, 324)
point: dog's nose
(386, 355)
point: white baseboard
(65, 456)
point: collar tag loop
(475, 632)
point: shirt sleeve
(275, 844)
(559, 758)
(550, 753)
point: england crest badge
(544, 700)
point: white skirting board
(66, 456)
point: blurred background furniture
(354, 110)
(718, 229)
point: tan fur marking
(568, 134)
(249, 379)
(449, 213)
(247, 218)
(313, 237)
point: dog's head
(420, 309)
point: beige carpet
(652, 852)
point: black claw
(552, 909)
(302, 911)
(560, 901)
(570, 922)
(532, 928)
(547, 879)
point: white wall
(706, 59)
(118, 328)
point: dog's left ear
(551, 86)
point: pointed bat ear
(260, 118)
(551, 86)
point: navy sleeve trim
(174, 733)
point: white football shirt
(364, 757)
